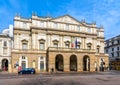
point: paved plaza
(85, 78)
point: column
(45, 63)
(51, 62)
(66, 63)
(79, 63)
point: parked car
(27, 71)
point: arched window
(23, 57)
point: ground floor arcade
(77, 62)
(59, 61)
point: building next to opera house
(62, 44)
(6, 44)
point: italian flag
(72, 42)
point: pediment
(66, 19)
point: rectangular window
(117, 48)
(67, 45)
(89, 47)
(23, 64)
(112, 49)
(41, 65)
(118, 41)
(112, 54)
(42, 46)
(78, 46)
(24, 46)
(117, 54)
(5, 43)
(55, 45)
(98, 49)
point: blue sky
(104, 12)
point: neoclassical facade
(5, 52)
(63, 43)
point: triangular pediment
(66, 19)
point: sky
(105, 13)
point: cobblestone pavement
(85, 78)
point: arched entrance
(59, 62)
(23, 62)
(5, 65)
(86, 63)
(73, 63)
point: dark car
(27, 71)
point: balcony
(71, 50)
(55, 49)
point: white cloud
(104, 12)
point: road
(100, 78)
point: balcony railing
(70, 49)
(54, 49)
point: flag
(72, 42)
(76, 43)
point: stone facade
(5, 52)
(61, 44)
(112, 47)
